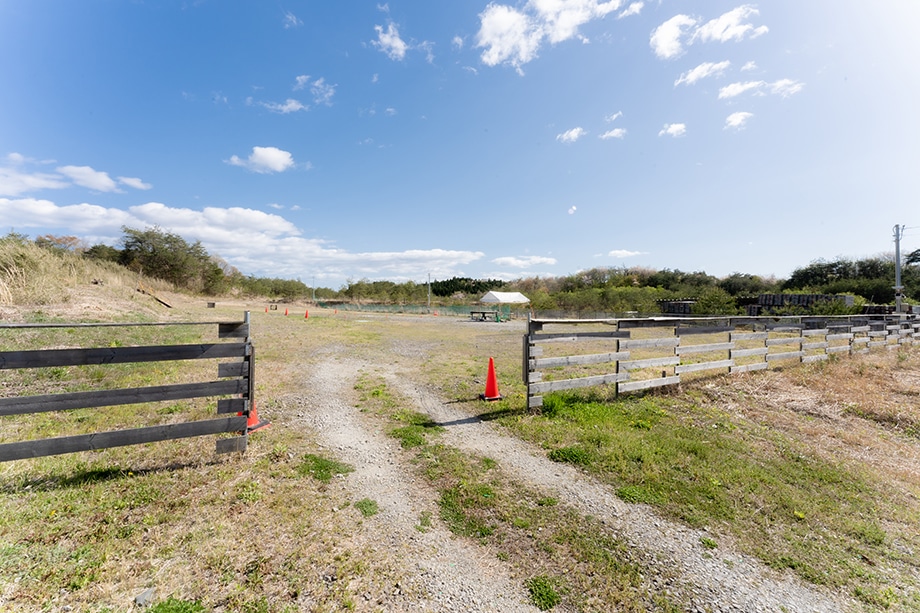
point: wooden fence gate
(235, 379)
(638, 354)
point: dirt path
(446, 573)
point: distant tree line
(188, 266)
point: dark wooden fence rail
(652, 352)
(234, 378)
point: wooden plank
(821, 332)
(679, 370)
(81, 400)
(693, 349)
(118, 355)
(573, 360)
(749, 336)
(860, 329)
(795, 340)
(703, 330)
(744, 353)
(239, 329)
(575, 336)
(844, 336)
(860, 340)
(649, 363)
(877, 343)
(233, 369)
(567, 384)
(814, 358)
(535, 351)
(119, 438)
(877, 333)
(230, 445)
(749, 367)
(811, 346)
(633, 386)
(231, 405)
(646, 343)
(785, 327)
(536, 377)
(772, 357)
(534, 402)
(838, 349)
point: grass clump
(322, 469)
(368, 507)
(542, 593)
(174, 605)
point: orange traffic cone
(285, 312)
(491, 384)
(266, 309)
(306, 314)
(254, 423)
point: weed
(424, 522)
(708, 543)
(321, 468)
(173, 605)
(367, 507)
(572, 455)
(542, 593)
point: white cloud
(514, 36)
(322, 92)
(134, 182)
(614, 117)
(786, 87)
(291, 20)
(301, 81)
(624, 253)
(737, 121)
(752, 65)
(389, 42)
(265, 160)
(736, 89)
(669, 39)
(570, 136)
(673, 129)
(390, 111)
(428, 48)
(704, 70)
(89, 178)
(615, 133)
(783, 87)
(524, 261)
(288, 106)
(666, 38)
(633, 9)
(572, 209)
(731, 26)
(457, 42)
(15, 183)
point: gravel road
(447, 573)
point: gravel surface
(447, 573)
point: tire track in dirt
(443, 573)
(724, 581)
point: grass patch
(322, 469)
(694, 463)
(542, 592)
(174, 605)
(367, 507)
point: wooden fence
(639, 354)
(234, 378)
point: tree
(167, 256)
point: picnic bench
(485, 315)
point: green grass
(367, 507)
(697, 465)
(322, 469)
(542, 593)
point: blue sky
(349, 140)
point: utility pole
(898, 233)
(429, 292)
(314, 289)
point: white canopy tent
(504, 298)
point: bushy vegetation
(166, 256)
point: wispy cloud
(288, 106)
(134, 182)
(513, 36)
(322, 92)
(389, 42)
(673, 129)
(570, 136)
(783, 87)
(669, 39)
(614, 117)
(572, 210)
(524, 261)
(265, 160)
(704, 70)
(624, 253)
(633, 9)
(15, 180)
(615, 133)
(737, 121)
(291, 20)
(85, 176)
